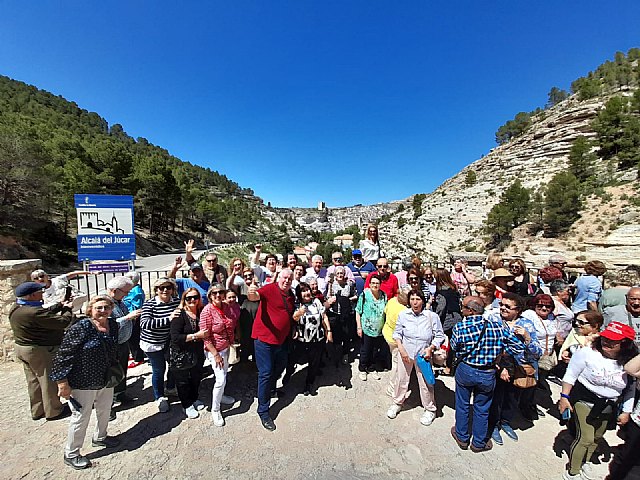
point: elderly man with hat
(38, 333)
(360, 269)
(197, 279)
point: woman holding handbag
(216, 318)
(418, 331)
(592, 389)
(186, 355)
(546, 329)
(85, 368)
(511, 377)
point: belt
(481, 367)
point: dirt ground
(342, 433)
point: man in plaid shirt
(476, 373)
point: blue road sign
(105, 227)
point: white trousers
(221, 378)
(101, 400)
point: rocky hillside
(452, 216)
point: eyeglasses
(544, 305)
(216, 292)
(102, 308)
(514, 267)
(192, 298)
(382, 266)
(508, 307)
(164, 288)
(248, 276)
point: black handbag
(181, 359)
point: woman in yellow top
(391, 311)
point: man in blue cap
(360, 269)
(37, 333)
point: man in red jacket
(271, 329)
(389, 283)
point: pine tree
(562, 203)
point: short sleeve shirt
(273, 321)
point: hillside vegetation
(530, 194)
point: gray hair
(340, 268)
(317, 257)
(36, 273)
(163, 281)
(475, 306)
(119, 283)
(133, 276)
(558, 286)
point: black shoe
(307, 391)
(108, 442)
(66, 411)
(278, 393)
(267, 423)
(112, 415)
(79, 463)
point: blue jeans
(271, 361)
(158, 367)
(480, 383)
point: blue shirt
(588, 289)
(366, 267)
(497, 337)
(185, 284)
(134, 299)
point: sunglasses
(164, 288)
(217, 292)
(192, 298)
(544, 305)
(42, 276)
(508, 307)
(582, 323)
(248, 276)
(382, 266)
(413, 279)
(337, 259)
(211, 260)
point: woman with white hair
(155, 330)
(133, 301)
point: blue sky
(342, 101)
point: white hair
(133, 276)
(317, 257)
(119, 283)
(36, 273)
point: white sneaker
(228, 400)
(427, 418)
(363, 376)
(567, 476)
(375, 375)
(394, 410)
(171, 392)
(218, 421)
(588, 471)
(163, 404)
(198, 405)
(191, 412)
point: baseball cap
(195, 266)
(357, 251)
(28, 288)
(618, 331)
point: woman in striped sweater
(155, 326)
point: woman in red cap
(593, 386)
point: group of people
(502, 337)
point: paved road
(338, 434)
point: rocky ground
(340, 433)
